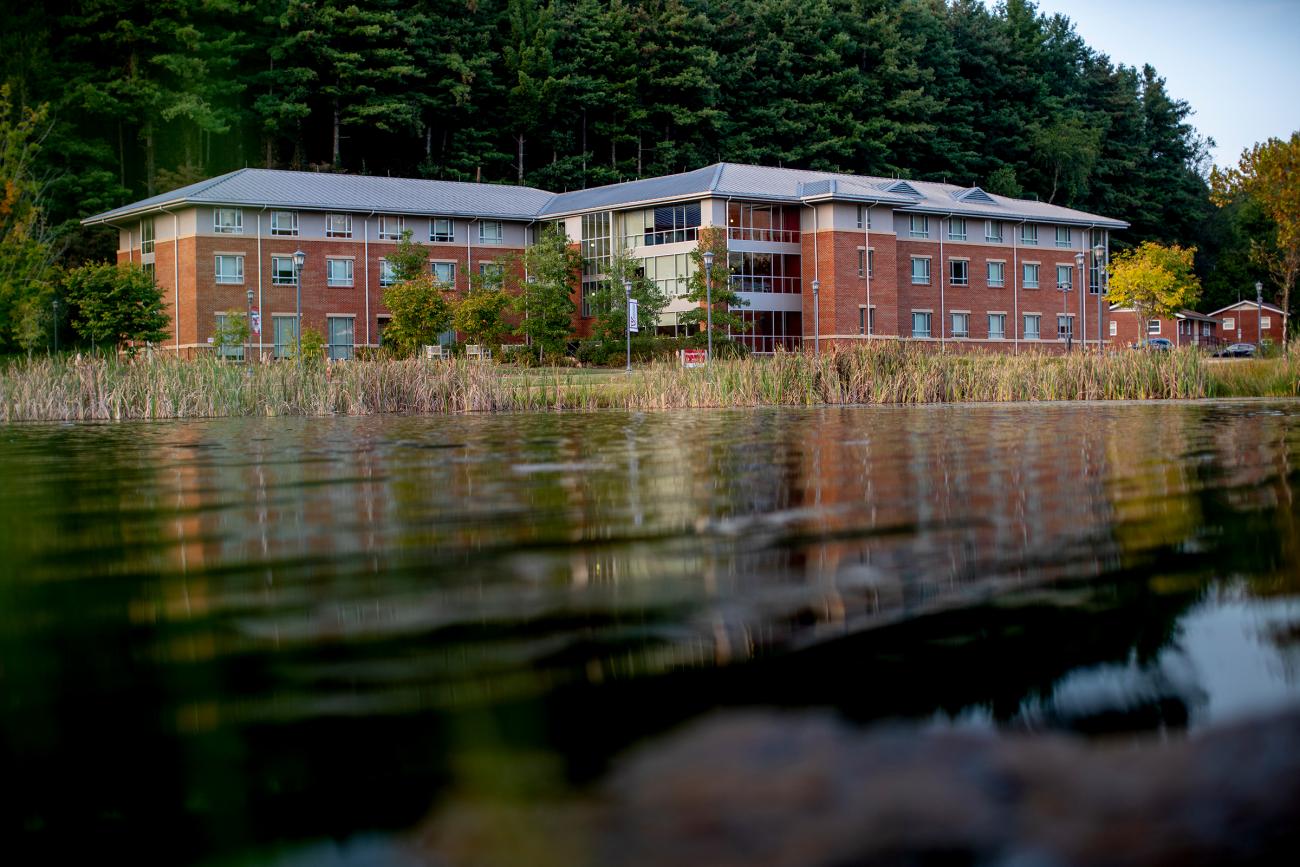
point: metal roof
(334, 192)
(1246, 304)
(321, 191)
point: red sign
(694, 357)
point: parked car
(1161, 344)
(1237, 350)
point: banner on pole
(631, 317)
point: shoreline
(61, 389)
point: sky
(1236, 63)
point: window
(1030, 280)
(228, 221)
(390, 228)
(867, 258)
(281, 270)
(490, 232)
(149, 269)
(340, 335)
(993, 231)
(444, 272)
(959, 272)
(920, 324)
(227, 350)
(1032, 321)
(997, 275)
(338, 225)
(956, 229)
(866, 320)
(387, 274)
(284, 222)
(1065, 277)
(1153, 326)
(492, 274)
(1065, 327)
(673, 224)
(920, 226)
(286, 334)
(864, 217)
(1265, 322)
(442, 230)
(1029, 234)
(230, 269)
(961, 325)
(1062, 236)
(146, 236)
(338, 272)
(1114, 328)
(1229, 324)
(920, 271)
(997, 326)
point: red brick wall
(1246, 325)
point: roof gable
(974, 194)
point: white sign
(255, 323)
(631, 317)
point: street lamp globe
(299, 258)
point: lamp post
(1097, 252)
(817, 327)
(299, 259)
(56, 325)
(627, 325)
(1078, 266)
(708, 299)
(1259, 317)
(248, 322)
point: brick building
(1246, 321)
(1185, 328)
(816, 256)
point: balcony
(767, 236)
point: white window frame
(484, 238)
(1025, 282)
(1114, 328)
(929, 323)
(433, 269)
(1069, 277)
(437, 237)
(1029, 234)
(1068, 319)
(277, 279)
(340, 351)
(1001, 280)
(864, 216)
(1067, 242)
(964, 331)
(1265, 322)
(993, 231)
(1001, 334)
(926, 269)
(331, 280)
(285, 231)
(226, 279)
(924, 231)
(952, 274)
(236, 227)
(953, 235)
(867, 259)
(333, 231)
(1153, 326)
(1038, 326)
(387, 274)
(1229, 324)
(384, 230)
(146, 235)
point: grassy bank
(50, 389)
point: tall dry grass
(66, 388)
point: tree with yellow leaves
(1269, 173)
(1155, 281)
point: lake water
(228, 641)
